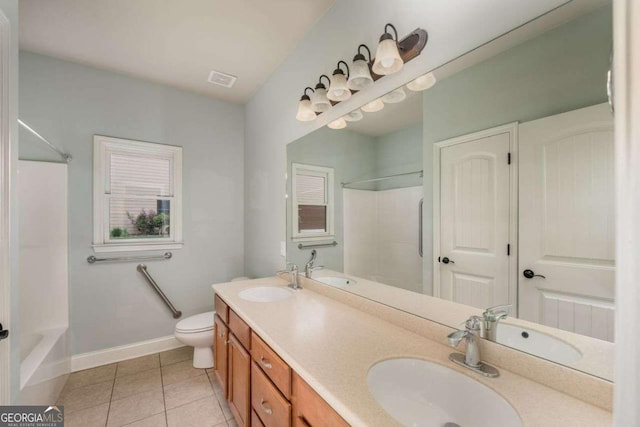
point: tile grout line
(113, 387)
(164, 400)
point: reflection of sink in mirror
(265, 294)
(420, 393)
(537, 343)
(336, 281)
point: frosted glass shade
(388, 59)
(360, 76)
(373, 106)
(354, 116)
(338, 90)
(305, 112)
(319, 101)
(423, 82)
(394, 96)
(338, 124)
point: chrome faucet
(293, 272)
(490, 319)
(471, 359)
(309, 267)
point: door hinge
(508, 158)
(508, 249)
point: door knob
(446, 260)
(4, 333)
(529, 274)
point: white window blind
(311, 190)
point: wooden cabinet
(272, 408)
(221, 308)
(239, 382)
(262, 390)
(272, 365)
(255, 420)
(221, 337)
(309, 409)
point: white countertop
(332, 345)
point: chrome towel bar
(167, 255)
(317, 245)
(143, 269)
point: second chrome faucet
(477, 327)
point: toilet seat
(202, 322)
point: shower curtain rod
(65, 156)
(344, 184)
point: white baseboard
(123, 352)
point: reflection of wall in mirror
(353, 156)
(381, 236)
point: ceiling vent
(221, 79)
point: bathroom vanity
(306, 359)
(261, 388)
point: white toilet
(197, 332)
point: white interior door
(473, 248)
(567, 230)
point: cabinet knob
(264, 363)
(265, 408)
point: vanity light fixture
(388, 60)
(305, 112)
(360, 75)
(373, 106)
(395, 96)
(423, 82)
(319, 101)
(339, 123)
(338, 90)
(354, 116)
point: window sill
(132, 247)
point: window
(137, 195)
(312, 205)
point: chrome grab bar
(167, 255)
(420, 226)
(143, 269)
(317, 245)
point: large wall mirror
(491, 186)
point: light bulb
(338, 124)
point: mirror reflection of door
(473, 252)
(567, 224)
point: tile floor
(159, 390)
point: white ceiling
(173, 42)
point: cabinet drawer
(255, 420)
(241, 330)
(272, 365)
(309, 409)
(273, 409)
(221, 308)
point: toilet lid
(197, 323)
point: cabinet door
(309, 409)
(221, 336)
(239, 382)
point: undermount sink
(537, 343)
(336, 281)
(265, 294)
(424, 394)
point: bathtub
(44, 366)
